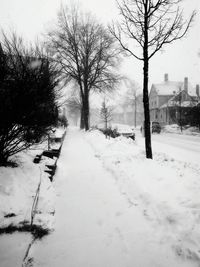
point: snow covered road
(97, 224)
(181, 147)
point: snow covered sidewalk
(97, 224)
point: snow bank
(166, 189)
(18, 187)
(174, 128)
(58, 133)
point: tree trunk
(86, 111)
(106, 124)
(82, 124)
(135, 112)
(147, 129)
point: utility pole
(180, 109)
(135, 108)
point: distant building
(123, 113)
(127, 113)
(170, 101)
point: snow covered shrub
(28, 97)
(110, 132)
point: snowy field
(113, 207)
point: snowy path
(95, 224)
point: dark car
(155, 127)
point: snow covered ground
(17, 191)
(186, 130)
(178, 146)
(115, 208)
(167, 188)
(18, 187)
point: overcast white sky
(180, 59)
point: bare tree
(149, 24)
(74, 105)
(131, 96)
(86, 53)
(106, 114)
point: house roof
(174, 101)
(171, 88)
(177, 104)
(167, 88)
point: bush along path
(28, 205)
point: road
(182, 147)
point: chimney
(186, 84)
(197, 90)
(166, 77)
